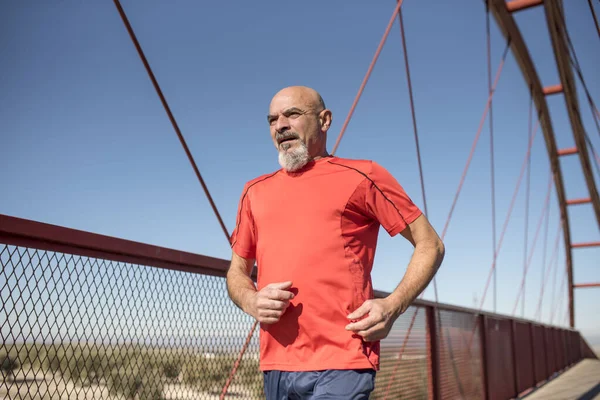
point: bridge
(94, 316)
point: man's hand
(268, 304)
(377, 325)
(426, 259)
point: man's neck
(323, 154)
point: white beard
(294, 159)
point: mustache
(286, 135)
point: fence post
(482, 322)
(513, 345)
(532, 347)
(546, 356)
(433, 361)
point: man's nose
(282, 124)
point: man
(312, 227)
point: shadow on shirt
(286, 330)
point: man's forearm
(239, 287)
(424, 263)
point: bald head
(298, 121)
(307, 95)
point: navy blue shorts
(319, 385)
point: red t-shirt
(318, 228)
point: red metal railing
(101, 316)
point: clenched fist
(379, 316)
(268, 304)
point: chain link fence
(93, 317)
(79, 327)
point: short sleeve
(243, 238)
(387, 202)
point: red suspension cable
(416, 135)
(527, 193)
(552, 296)
(558, 310)
(414, 121)
(491, 123)
(545, 249)
(192, 162)
(170, 114)
(553, 312)
(490, 95)
(412, 109)
(238, 361)
(551, 265)
(537, 231)
(507, 219)
(406, 336)
(368, 74)
(594, 17)
(474, 145)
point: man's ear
(325, 119)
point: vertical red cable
(527, 191)
(535, 237)
(507, 219)
(492, 167)
(367, 75)
(544, 253)
(552, 296)
(551, 265)
(559, 303)
(170, 115)
(192, 162)
(415, 130)
(473, 146)
(594, 17)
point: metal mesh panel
(404, 373)
(563, 349)
(575, 347)
(499, 359)
(560, 349)
(569, 348)
(572, 349)
(75, 327)
(550, 351)
(557, 349)
(540, 356)
(460, 364)
(524, 356)
(81, 328)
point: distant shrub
(9, 365)
(134, 372)
(137, 383)
(172, 369)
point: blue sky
(86, 143)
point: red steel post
(585, 244)
(531, 335)
(579, 201)
(513, 345)
(567, 152)
(518, 5)
(547, 372)
(586, 285)
(482, 321)
(433, 361)
(554, 89)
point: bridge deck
(581, 382)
